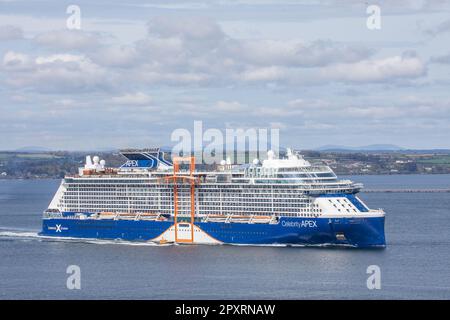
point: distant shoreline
(56, 164)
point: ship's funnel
(88, 162)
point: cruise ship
(154, 197)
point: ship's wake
(27, 235)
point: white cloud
(376, 69)
(307, 104)
(398, 109)
(55, 58)
(15, 61)
(196, 29)
(137, 99)
(9, 32)
(66, 103)
(55, 73)
(116, 56)
(19, 98)
(441, 28)
(68, 39)
(154, 75)
(300, 54)
(274, 65)
(230, 106)
(195, 51)
(272, 73)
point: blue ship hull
(360, 232)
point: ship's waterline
(286, 201)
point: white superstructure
(290, 187)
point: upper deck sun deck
(290, 170)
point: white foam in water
(19, 234)
(28, 235)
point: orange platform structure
(183, 178)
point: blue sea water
(415, 264)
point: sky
(134, 72)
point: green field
(437, 160)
